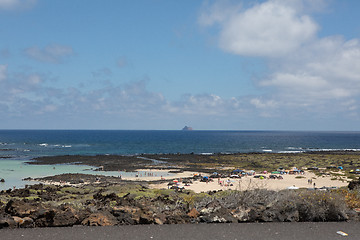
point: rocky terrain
(107, 204)
(349, 160)
(105, 201)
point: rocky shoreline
(209, 162)
(96, 200)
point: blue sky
(160, 64)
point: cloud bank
(305, 71)
(308, 78)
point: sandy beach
(216, 184)
(249, 183)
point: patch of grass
(74, 190)
(272, 161)
(32, 198)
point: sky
(164, 64)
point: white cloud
(3, 72)
(20, 85)
(328, 68)
(265, 104)
(205, 105)
(306, 73)
(26, 96)
(270, 29)
(16, 4)
(52, 53)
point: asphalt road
(262, 231)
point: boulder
(146, 218)
(19, 208)
(221, 215)
(193, 213)
(25, 222)
(289, 216)
(65, 217)
(354, 184)
(45, 218)
(241, 214)
(7, 221)
(100, 219)
(158, 221)
(127, 215)
(160, 218)
(214, 212)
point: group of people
(224, 183)
(310, 182)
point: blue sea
(19, 146)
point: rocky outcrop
(7, 221)
(103, 207)
(100, 219)
(354, 184)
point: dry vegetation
(125, 203)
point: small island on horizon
(186, 128)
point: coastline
(160, 169)
(73, 199)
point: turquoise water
(18, 146)
(13, 171)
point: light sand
(245, 183)
(249, 182)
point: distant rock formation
(186, 128)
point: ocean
(19, 146)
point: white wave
(206, 153)
(291, 151)
(267, 150)
(293, 148)
(55, 145)
(333, 149)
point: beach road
(263, 231)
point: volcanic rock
(100, 219)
